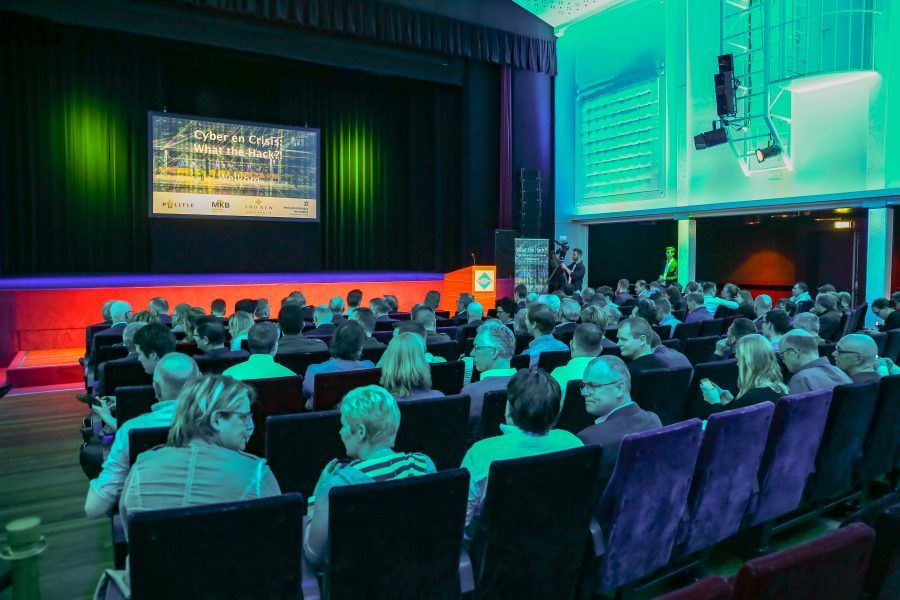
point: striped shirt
(383, 466)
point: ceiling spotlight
(714, 137)
(768, 152)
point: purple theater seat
(642, 505)
(789, 458)
(275, 396)
(884, 437)
(711, 588)
(725, 476)
(831, 567)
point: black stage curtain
(392, 24)
(74, 158)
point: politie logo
(170, 204)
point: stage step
(31, 368)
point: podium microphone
(472, 254)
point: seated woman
(346, 349)
(239, 326)
(370, 419)
(190, 323)
(179, 316)
(746, 305)
(405, 372)
(759, 377)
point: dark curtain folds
(505, 174)
(398, 25)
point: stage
(50, 313)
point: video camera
(562, 248)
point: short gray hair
(808, 322)
(763, 301)
(128, 334)
(499, 336)
(570, 309)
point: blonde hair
(403, 366)
(190, 323)
(595, 315)
(757, 366)
(239, 323)
(199, 400)
(375, 408)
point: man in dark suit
(606, 389)
(576, 270)
(670, 268)
(120, 312)
(366, 318)
(424, 316)
(635, 339)
(290, 320)
(380, 309)
(829, 317)
(323, 318)
(622, 295)
(159, 306)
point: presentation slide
(214, 168)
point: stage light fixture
(768, 152)
(714, 137)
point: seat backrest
(880, 339)
(449, 351)
(789, 457)
(299, 446)
(852, 408)
(712, 327)
(555, 358)
(113, 352)
(397, 539)
(699, 349)
(711, 588)
(447, 376)
(672, 344)
(687, 330)
(89, 332)
(373, 354)
(298, 362)
(436, 427)
(217, 365)
(514, 515)
(189, 348)
(520, 361)
(133, 400)
(330, 388)
(573, 416)
(860, 317)
(275, 396)
(725, 476)
(383, 336)
(892, 348)
(663, 331)
(385, 325)
(493, 414)
(144, 439)
(194, 552)
(644, 500)
(126, 373)
(884, 435)
(522, 342)
(883, 579)
(663, 391)
(724, 373)
(830, 567)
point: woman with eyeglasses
(203, 461)
(759, 377)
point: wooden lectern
(478, 280)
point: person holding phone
(759, 377)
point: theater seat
(883, 440)
(275, 396)
(712, 327)
(573, 416)
(711, 588)
(437, 427)
(493, 413)
(831, 567)
(299, 446)
(556, 358)
(699, 349)
(447, 376)
(143, 439)
(664, 392)
(133, 400)
(724, 373)
(330, 388)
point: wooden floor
(40, 476)
(43, 358)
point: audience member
(346, 348)
(800, 293)
(179, 316)
(673, 294)
(425, 317)
(759, 377)
(641, 289)
(263, 342)
(132, 357)
(570, 311)
(493, 348)
(645, 309)
(432, 299)
(404, 368)
(380, 308)
(413, 327)
(462, 305)
(239, 325)
(635, 336)
(596, 315)
(144, 316)
(809, 322)
(392, 302)
(159, 306)
(540, 322)
(194, 314)
(829, 317)
(354, 300)
(290, 320)
(153, 341)
(336, 307)
(606, 388)
(475, 317)
(120, 314)
(370, 419)
(884, 310)
(845, 302)
(506, 310)
(247, 305)
(217, 308)
(787, 306)
(808, 370)
(532, 405)
(323, 318)
(855, 354)
(775, 324)
(664, 313)
(711, 302)
(739, 328)
(746, 305)
(554, 302)
(366, 318)
(761, 306)
(586, 345)
(210, 337)
(696, 309)
(263, 311)
(621, 295)
(521, 295)
(171, 375)
(827, 289)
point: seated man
(762, 304)
(172, 372)
(606, 387)
(884, 310)
(370, 419)
(128, 341)
(160, 308)
(521, 296)
(809, 322)
(432, 299)
(393, 305)
(336, 307)
(263, 342)
(354, 299)
(829, 317)
(621, 294)
(696, 310)
(532, 405)
(217, 308)
(725, 348)
(777, 323)
(586, 345)
(380, 309)
(462, 305)
(290, 320)
(210, 337)
(153, 341)
(323, 318)
(494, 346)
(540, 322)
(711, 302)
(597, 315)
(474, 319)
(570, 311)
(809, 371)
(800, 293)
(413, 327)
(424, 316)
(664, 313)
(346, 348)
(635, 337)
(366, 318)
(856, 355)
(121, 315)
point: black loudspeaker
(505, 252)
(724, 83)
(529, 193)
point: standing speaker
(529, 193)
(505, 252)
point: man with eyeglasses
(606, 387)
(493, 348)
(855, 355)
(800, 354)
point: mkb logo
(220, 204)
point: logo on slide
(485, 281)
(170, 204)
(220, 204)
